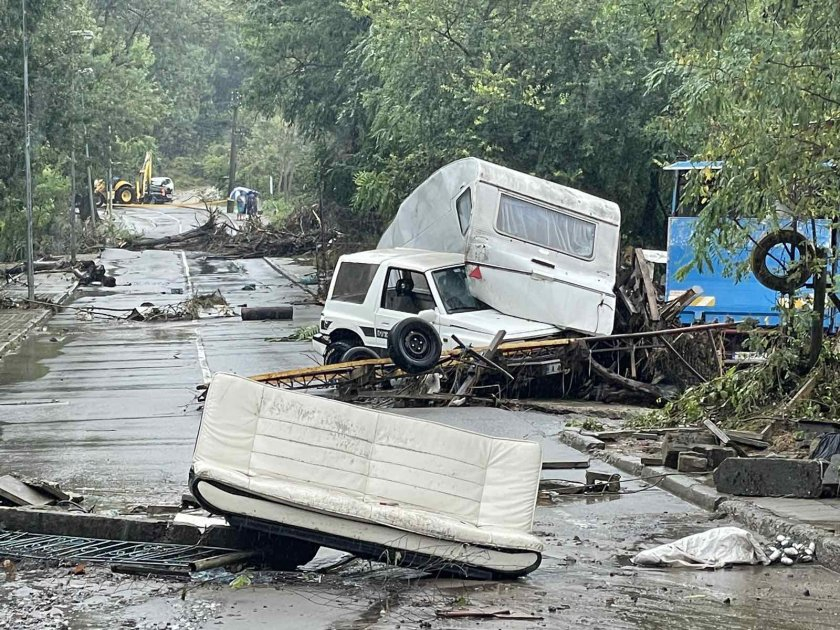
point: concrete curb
(754, 518)
(12, 342)
(687, 488)
(584, 443)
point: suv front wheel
(336, 350)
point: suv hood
(490, 322)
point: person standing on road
(251, 203)
(240, 205)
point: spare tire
(414, 345)
(359, 353)
(791, 279)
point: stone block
(671, 452)
(715, 454)
(770, 477)
(831, 477)
(689, 461)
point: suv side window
(407, 291)
(352, 282)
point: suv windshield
(452, 286)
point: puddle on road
(28, 362)
(213, 266)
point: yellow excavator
(126, 192)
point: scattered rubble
(15, 491)
(788, 552)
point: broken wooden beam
(628, 383)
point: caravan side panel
(542, 262)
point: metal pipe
(660, 333)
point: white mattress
(368, 466)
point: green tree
(755, 86)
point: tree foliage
(755, 85)
(550, 87)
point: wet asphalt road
(108, 409)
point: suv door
(404, 295)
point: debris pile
(251, 239)
(87, 272)
(201, 305)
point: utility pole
(73, 200)
(30, 255)
(89, 177)
(110, 186)
(232, 166)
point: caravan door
(543, 262)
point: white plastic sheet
(711, 549)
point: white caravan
(534, 249)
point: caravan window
(546, 227)
(464, 207)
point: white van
(534, 249)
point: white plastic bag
(711, 549)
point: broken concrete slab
(770, 477)
(831, 477)
(714, 454)
(13, 491)
(132, 528)
(689, 461)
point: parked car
(165, 185)
(378, 294)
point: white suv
(373, 291)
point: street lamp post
(30, 267)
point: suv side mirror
(429, 315)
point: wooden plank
(719, 433)
(18, 493)
(718, 353)
(722, 436)
(650, 290)
(748, 438)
